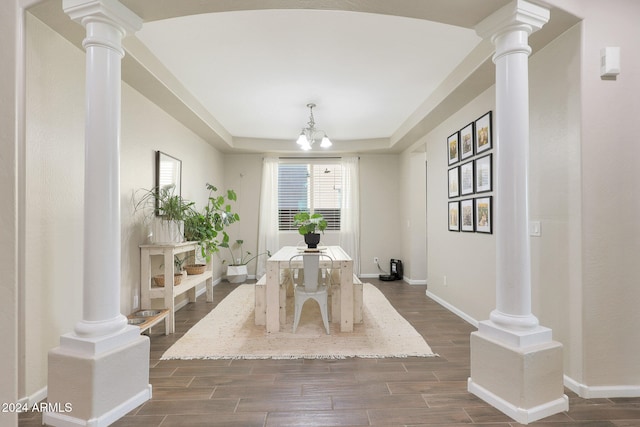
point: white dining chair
(309, 287)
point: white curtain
(268, 221)
(350, 211)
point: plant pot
(237, 273)
(166, 231)
(195, 269)
(312, 240)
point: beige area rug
(229, 332)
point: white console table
(167, 293)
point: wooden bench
(261, 299)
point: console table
(167, 293)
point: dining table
(282, 259)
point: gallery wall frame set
(473, 139)
(471, 215)
(470, 147)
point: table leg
(346, 296)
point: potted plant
(166, 212)
(207, 227)
(309, 225)
(178, 272)
(237, 269)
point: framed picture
(466, 178)
(453, 183)
(483, 174)
(483, 133)
(452, 148)
(466, 215)
(466, 142)
(483, 219)
(454, 216)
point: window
(312, 187)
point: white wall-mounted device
(609, 61)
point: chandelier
(310, 135)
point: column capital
(518, 15)
(112, 11)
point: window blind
(312, 187)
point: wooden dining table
(280, 260)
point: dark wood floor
(348, 392)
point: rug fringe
(297, 356)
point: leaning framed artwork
(453, 182)
(483, 133)
(454, 216)
(483, 219)
(452, 149)
(483, 174)
(466, 142)
(466, 215)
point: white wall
(413, 223)
(9, 194)
(55, 182)
(381, 215)
(610, 202)
(555, 192)
(54, 195)
(466, 259)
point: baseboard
(601, 392)
(405, 279)
(464, 316)
(36, 397)
(521, 415)
(62, 420)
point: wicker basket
(159, 279)
(195, 269)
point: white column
(106, 24)
(515, 364)
(101, 369)
(509, 32)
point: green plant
(309, 223)
(177, 263)
(245, 257)
(164, 203)
(207, 227)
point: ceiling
(381, 73)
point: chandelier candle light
(310, 135)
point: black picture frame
(467, 178)
(454, 216)
(483, 212)
(483, 173)
(453, 148)
(483, 133)
(453, 182)
(467, 215)
(467, 141)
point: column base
(523, 382)
(89, 388)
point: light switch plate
(534, 228)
